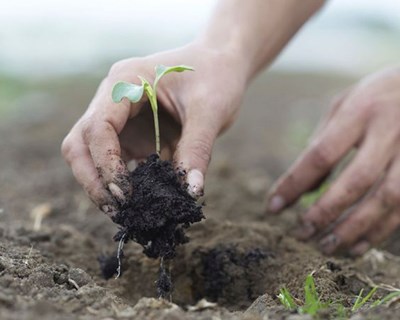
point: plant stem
(154, 106)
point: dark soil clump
(158, 212)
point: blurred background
(44, 38)
(54, 53)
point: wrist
(228, 52)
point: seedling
(312, 303)
(286, 299)
(158, 212)
(360, 301)
(134, 93)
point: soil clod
(158, 211)
(156, 216)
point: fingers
(78, 157)
(370, 222)
(193, 152)
(100, 133)
(378, 233)
(365, 170)
(317, 161)
(93, 150)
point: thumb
(193, 153)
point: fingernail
(116, 192)
(109, 210)
(306, 231)
(329, 244)
(360, 248)
(195, 182)
(276, 204)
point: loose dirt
(237, 258)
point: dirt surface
(237, 259)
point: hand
(195, 107)
(366, 195)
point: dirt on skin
(237, 259)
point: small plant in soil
(312, 304)
(160, 208)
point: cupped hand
(194, 108)
(361, 208)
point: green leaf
(162, 70)
(128, 90)
(312, 303)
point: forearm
(256, 30)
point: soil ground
(238, 257)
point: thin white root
(73, 282)
(120, 247)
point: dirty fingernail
(116, 192)
(360, 248)
(329, 244)
(276, 204)
(195, 182)
(306, 231)
(109, 210)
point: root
(120, 247)
(73, 283)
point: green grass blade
(387, 298)
(362, 301)
(286, 299)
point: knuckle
(117, 68)
(365, 104)
(321, 156)
(360, 181)
(67, 148)
(87, 129)
(390, 195)
(91, 187)
(201, 149)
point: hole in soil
(231, 264)
(232, 275)
(229, 274)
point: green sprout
(134, 93)
(312, 303)
(287, 299)
(360, 301)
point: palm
(137, 137)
